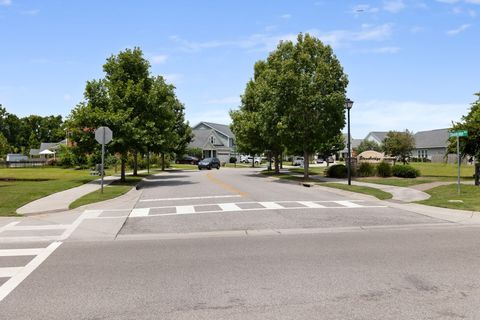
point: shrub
(405, 171)
(366, 169)
(337, 171)
(233, 160)
(384, 169)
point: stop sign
(103, 135)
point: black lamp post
(348, 105)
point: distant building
(431, 145)
(376, 136)
(215, 140)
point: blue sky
(411, 64)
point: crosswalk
(247, 206)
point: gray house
(377, 136)
(215, 140)
(431, 145)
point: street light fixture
(349, 105)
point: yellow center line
(224, 185)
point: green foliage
(142, 111)
(66, 157)
(194, 152)
(366, 145)
(337, 171)
(384, 169)
(405, 171)
(233, 160)
(399, 144)
(469, 146)
(366, 169)
(4, 146)
(295, 100)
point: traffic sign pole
(103, 159)
(458, 159)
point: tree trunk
(269, 161)
(123, 163)
(281, 160)
(277, 167)
(253, 161)
(163, 161)
(135, 163)
(148, 162)
(305, 164)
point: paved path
(61, 200)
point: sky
(411, 64)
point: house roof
(34, 152)
(201, 138)
(222, 128)
(51, 145)
(354, 142)
(379, 135)
(431, 139)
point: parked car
(209, 163)
(257, 160)
(187, 160)
(298, 161)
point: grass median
(448, 197)
(113, 190)
(379, 194)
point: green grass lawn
(115, 189)
(311, 170)
(379, 194)
(440, 196)
(184, 166)
(428, 169)
(19, 186)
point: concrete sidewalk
(61, 200)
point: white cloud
(381, 115)
(5, 2)
(473, 1)
(286, 16)
(364, 8)
(234, 100)
(32, 12)
(174, 78)
(382, 50)
(339, 38)
(458, 30)
(393, 6)
(159, 59)
(448, 1)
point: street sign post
(458, 134)
(103, 135)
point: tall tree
(469, 146)
(4, 146)
(399, 144)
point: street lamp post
(348, 105)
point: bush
(366, 169)
(384, 169)
(405, 171)
(337, 171)
(233, 160)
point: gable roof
(431, 139)
(201, 138)
(379, 135)
(222, 128)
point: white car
(298, 161)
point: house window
(212, 140)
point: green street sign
(460, 133)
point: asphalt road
(236, 246)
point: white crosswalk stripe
(247, 206)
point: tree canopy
(142, 110)
(296, 100)
(469, 146)
(399, 144)
(366, 145)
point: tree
(331, 147)
(469, 146)
(399, 144)
(366, 145)
(296, 100)
(4, 146)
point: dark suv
(209, 163)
